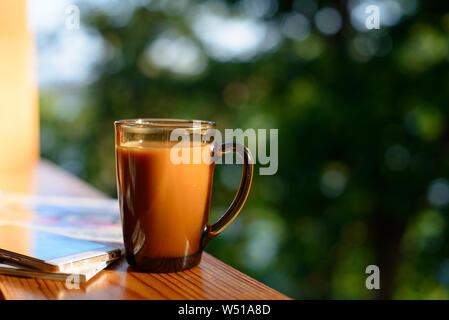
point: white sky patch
(228, 38)
(63, 56)
(46, 15)
(69, 59)
(177, 54)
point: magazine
(83, 218)
(80, 274)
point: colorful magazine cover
(83, 218)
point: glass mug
(164, 202)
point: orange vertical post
(19, 123)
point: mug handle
(211, 231)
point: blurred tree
(363, 140)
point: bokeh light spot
(397, 158)
(296, 26)
(333, 180)
(328, 21)
(438, 193)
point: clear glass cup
(164, 181)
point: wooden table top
(212, 279)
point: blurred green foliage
(363, 144)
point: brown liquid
(164, 206)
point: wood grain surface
(212, 279)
